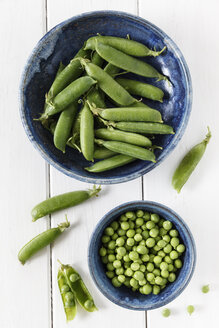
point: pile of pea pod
(76, 113)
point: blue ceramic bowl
(124, 296)
(60, 44)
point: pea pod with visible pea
(87, 133)
(127, 46)
(68, 298)
(189, 163)
(78, 288)
(110, 163)
(142, 127)
(62, 201)
(40, 241)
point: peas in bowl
(141, 255)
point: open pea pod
(78, 288)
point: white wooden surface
(29, 295)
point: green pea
(112, 244)
(150, 242)
(69, 297)
(134, 283)
(150, 267)
(172, 277)
(156, 290)
(120, 241)
(138, 237)
(161, 253)
(167, 249)
(154, 232)
(164, 273)
(104, 259)
(123, 218)
(65, 289)
(119, 271)
(205, 289)
(105, 239)
(131, 224)
(74, 277)
(130, 241)
(150, 276)
(121, 251)
(158, 280)
(178, 263)
(190, 309)
(135, 266)
(174, 242)
(114, 225)
(121, 278)
(139, 213)
(174, 255)
(125, 225)
(151, 258)
(110, 267)
(110, 274)
(167, 259)
(145, 258)
(88, 304)
(133, 256)
(167, 225)
(102, 251)
(146, 216)
(147, 289)
(126, 258)
(161, 243)
(155, 218)
(127, 282)
(114, 236)
(142, 268)
(166, 238)
(111, 257)
(130, 215)
(170, 267)
(166, 313)
(164, 266)
(150, 225)
(180, 248)
(116, 282)
(117, 264)
(129, 272)
(139, 222)
(156, 272)
(173, 233)
(141, 249)
(162, 232)
(142, 243)
(121, 232)
(145, 234)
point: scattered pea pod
(41, 241)
(64, 125)
(68, 298)
(106, 83)
(110, 163)
(142, 127)
(87, 133)
(127, 46)
(78, 288)
(189, 163)
(127, 63)
(129, 114)
(141, 89)
(128, 149)
(117, 135)
(67, 96)
(62, 201)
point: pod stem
(208, 136)
(62, 226)
(95, 191)
(96, 111)
(155, 53)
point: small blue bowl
(124, 296)
(60, 44)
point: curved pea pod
(87, 133)
(70, 73)
(96, 98)
(129, 137)
(141, 89)
(128, 149)
(110, 163)
(97, 60)
(127, 46)
(68, 298)
(189, 163)
(103, 153)
(111, 69)
(143, 127)
(130, 114)
(109, 86)
(78, 288)
(127, 63)
(41, 241)
(64, 126)
(67, 96)
(62, 201)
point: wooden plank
(24, 289)
(193, 26)
(73, 248)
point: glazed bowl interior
(60, 45)
(124, 296)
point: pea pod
(127, 46)
(128, 63)
(70, 73)
(67, 96)
(41, 241)
(189, 163)
(142, 127)
(62, 201)
(111, 69)
(128, 149)
(64, 125)
(78, 288)
(87, 133)
(68, 298)
(141, 89)
(129, 114)
(96, 98)
(96, 59)
(116, 135)
(109, 86)
(103, 153)
(110, 163)
(74, 141)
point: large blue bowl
(124, 296)
(60, 44)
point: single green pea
(168, 260)
(125, 225)
(178, 264)
(127, 282)
(142, 268)
(139, 222)
(141, 249)
(111, 257)
(164, 273)
(145, 257)
(150, 267)
(110, 267)
(190, 309)
(116, 282)
(174, 242)
(205, 289)
(147, 289)
(180, 248)
(114, 225)
(130, 241)
(170, 267)
(156, 272)
(130, 215)
(105, 239)
(104, 259)
(150, 242)
(102, 251)
(156, 290)
(151, 258)
(130, 233)
(150, 225)
(69, 297)
(172, 277)
(115, 236)
(157, 238)
(119, 271)
(109, 231)
(157, 259)
(110, 274)
(150, 276)
(121, 232)
(139, 213)
(155, 218)
(138, 237)
(145, 234)
(141, 290)
(161, 253)
(162, 232)
(110, 251)
(69, 304)
(160, 223)
(164, 266)
(166, 313)
(123, 218)
(158, 280)
(126, 258)
(174, 255)
(74, 277)
(120, 241)
(138, 275)
(146, 216)
(134, 283)
(121, 278)
(131, 224)
(143, 227)
(129, 272)
(65, 289)
(166, 238)
(121, 251)
(142, 242)
(112, 244)
(135, 266)
(117, 264)
(161, 243)
(167, 249)
(88, 304)
(133, 256)
(167, 225)
(154, 232)
(173, 233)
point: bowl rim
(170, 147)
(193, 254)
